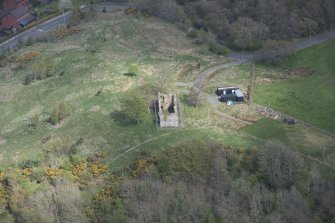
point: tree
(30, 41)
(132, 70)
(20, 43)
(194, 97)
(247, 34)
(59, 203)
(165, 9)
(38, 70)
(92, 6)
(309, 27)
(280, 163)
(50, 67)
(134, 108)
(36, 121)
(274, 51)
(64, 5)
(291, 207)
(59, 112)
(75, 15)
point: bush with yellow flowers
(53, 173)
(28, 57)
(98, 168)
(62, 33)
(103, 194)
(2, 175)
(240, 151)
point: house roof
(238, 93)
(19, 12)
(227, 88)
(26, 20)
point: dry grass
(14, 124)
(241, 111)
(9, 91)
(309, 138)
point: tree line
(246, 24)
(208, 182)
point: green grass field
(155, 47)
(310, 99)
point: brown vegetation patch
(62, 33)
(8, 92)
(95, 108)
(187, 70)
(298, 72)
(241, 111)
(262, 80)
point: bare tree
(68, 200)
(195, 98)
(274, 51)
(280, 163)
(248, 34)
(291, 207)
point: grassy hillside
(90, 61)
(311, 98)
(89, 166)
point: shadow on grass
(129, 74)
(119, 118)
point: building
(230, 94)
(167, 111)
(17, 17)
(9, 5)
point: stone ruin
(168, 111)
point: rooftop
(19, 12)
(168, 111)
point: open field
(312, 144)
(301, 86)
(310, 98)
(87, 63)
(286, 88)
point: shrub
(20, 43)
(59, 112)
(132, 70)
(29, 163)
(40, 69)
(30, 41)
(134, 108)
(50, 67)
(275, 51)
(192, 33)
(195, 97)
(28, 79)
(46, 37)
(36, 121)
(218, 49)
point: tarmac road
(53, 24)
(242, 57)
(300, 44)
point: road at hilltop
(240, 58)
(52, 24)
